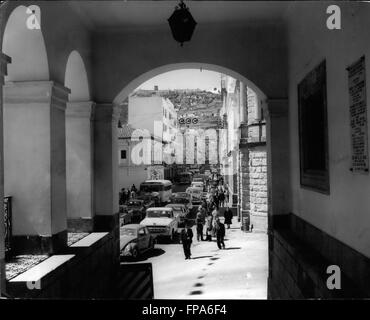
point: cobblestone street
(239, 272)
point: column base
(106, 222)
(246, 220)
(2, 277)
(80, 224)
(35, 244)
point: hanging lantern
(182, 23)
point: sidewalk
(239, 272)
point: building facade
(157, 115)
(133, 168)
(243, 153)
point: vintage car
(196, 194)
(125, 215)
(138, 209)
(198, 185)
(149, 200)
(161, 222)
(183, 198)
(181, 212)
(135, 239)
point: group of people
(219, 197)
(207, 223)
(127, 194)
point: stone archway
(123, 94)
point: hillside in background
(185, 100)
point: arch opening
(26, 47)
(76, 78)
(135, 83)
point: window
(313, 130)
(123, 155)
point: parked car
(196, 194)
(198, 179)
(181, 212)
(149, 200)
(205, 196)
(125, 215)
(197, 184)
(183, 198)
(138, 209)
(161, 221)
(135, 239)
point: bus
(160, 188)
(184, 178)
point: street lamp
(182, 23)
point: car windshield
(151, 187)
(134, 203)
(128, 232)
(195, 191)
(176, 208)
(180, 200)
(182, 194)
(158, 214)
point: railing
(8, 225)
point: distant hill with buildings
(205, 105)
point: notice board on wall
(358, 116)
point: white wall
(143, 111)
(345, 213)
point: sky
(185, 79)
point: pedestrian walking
(199, 224)
(227, 194)
(209, 227)
(133, 194)
(228, 214)
(186, 240)
(215, 216)
(126, 194)
(221, 198)
(220, 234)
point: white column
(4, 60)
(277, 138)
(35, 164)
(79, 166)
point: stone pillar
(4, 60)
(79, 166)
(277, 139)
(244, 176)
(106, 191)
(35, 164)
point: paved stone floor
(239, 272)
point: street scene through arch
(195, 135)
(282, 137)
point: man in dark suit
(220, 234)
(187, 239)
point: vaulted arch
(76, 78)
(26, 47)
(122, 95)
